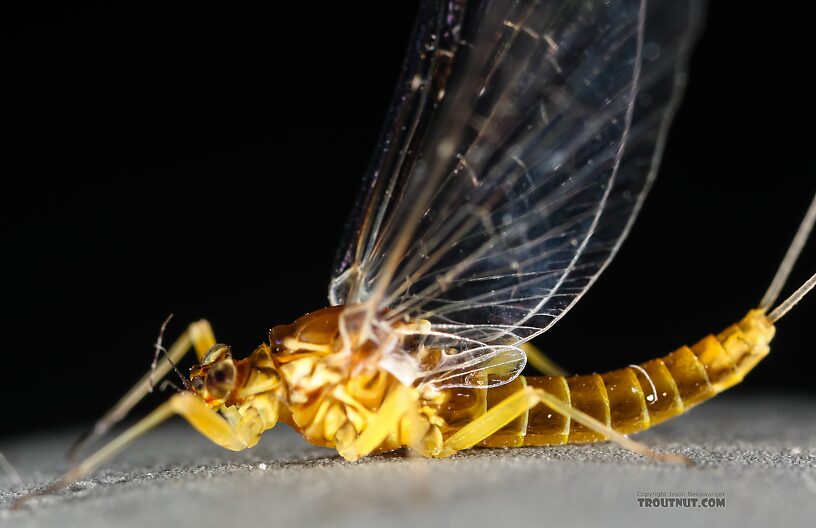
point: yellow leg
(205, 420)
(198, 336)
(208, 422)
(527, 398)
(541, 362)
(202, 337)
(397, 404)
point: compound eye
(221, 379)
(198, 383)
(216, 352)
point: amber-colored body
(637, 397)
(335, 396)
(334, 400)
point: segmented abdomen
(629, 399)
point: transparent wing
(522, 140)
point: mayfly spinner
(522, 140)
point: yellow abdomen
(630, 399)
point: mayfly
(522, 140)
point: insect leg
(399, 402)
(207, 421)
(199, 336)
(541, 362)
(527, 398)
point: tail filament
(791, 256)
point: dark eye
(198, 383)
(221, 378)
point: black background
(202, 160)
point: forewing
(521, 143)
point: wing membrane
(521, 143)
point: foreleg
(198, 336)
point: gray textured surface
(760, 452)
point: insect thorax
(334, 394)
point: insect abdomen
(640, 396)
